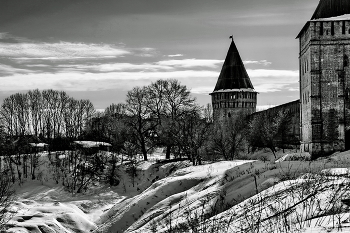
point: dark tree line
(46, 114)
(162, 114)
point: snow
(224, 195)
(90, 144)
(38, 144)
(295, 156)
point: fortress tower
(325, 79)
(234, 93)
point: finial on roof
(231, 37)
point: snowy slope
(227, 196)
(224, 194)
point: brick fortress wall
(324, 86)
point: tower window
(229, 114)
(343, 27)
(321, 29)
(332, 28)
(345, 61)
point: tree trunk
(273, 151)
(167, 153)
(144, 151)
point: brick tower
(234, 93)
(325, 79)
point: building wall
(324, 81)
(292, 111)
(228, 105)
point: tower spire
(233, 73)
(233, 95)
(331, 8)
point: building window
(343, 27)
(332, 28)
(229, 114)
(321, 28)
(345, 61)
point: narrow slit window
(321, 28)
(332, 29)
(346, 61)
(343, 27)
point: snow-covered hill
(222, 197)
(226, 196)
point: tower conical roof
(233, 74)
(331, 8)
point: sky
(99, 50)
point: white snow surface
(226, 196)
(299, 192)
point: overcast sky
(99, 50)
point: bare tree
(193, 135)
(35, 99)
(169, 101)
(131, 151)
(208, 113)
(265, 130)
(6, 198)
(139, 118)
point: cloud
(293, 89)
(80, 81)
(59, 51)
(110, 67)
(261, 73)
(202, 90)
(156, 66)
(273, 80)
(126, 75)
(189, 63)
(261, 62)
(176, 55)
(145, 52)
(9, 70)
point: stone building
(234, 93)
(324, 119)
(325, 79)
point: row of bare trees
(162, 114)
(246, 134)
(46, 113)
